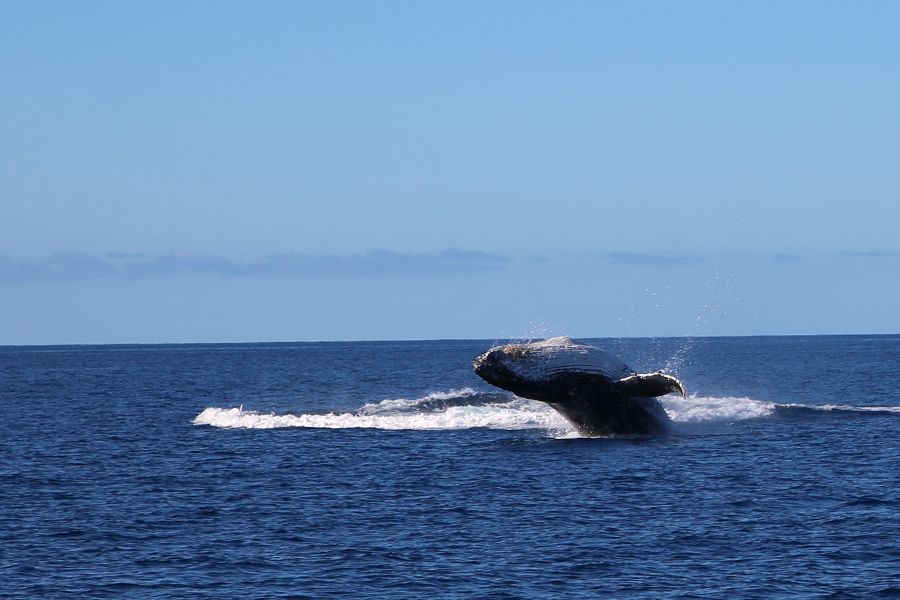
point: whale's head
(502, 367)
(524, 368)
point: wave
(436, 401)
(788, 410)
(468, 408)
(455, 409)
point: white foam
(400, 414)
(702, 409)
(469, 409)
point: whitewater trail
(457, 409)
(469, 409)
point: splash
(468, 408)
(680, 357)
(456, 409)
(702, 409)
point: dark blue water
(389, 470)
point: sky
(234, 171)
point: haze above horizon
(218, 171)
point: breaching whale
(595, 391)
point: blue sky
(222, 171)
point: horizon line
(442, 339)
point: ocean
(390, 470)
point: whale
(594, 390)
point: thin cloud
(71, 266)
(378, 262)
(651, 260)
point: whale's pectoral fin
(649, 385)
